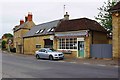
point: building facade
(116, 29)
(21, 30)
(40, 36)
(74, 37)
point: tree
(4, 44)
(104, 17)
(5, 38)
(7, 35)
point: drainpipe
(92, 36)
(23, 45)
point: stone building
(115, 10)
(40, 36)
(20, 30)
(72, 37)
(75, 36)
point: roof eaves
(37, 35)
(115, 10)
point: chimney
(26, 18)
(21, 22)
(66, 16)
(29, 16)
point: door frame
(80, 39)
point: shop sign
(80, 33)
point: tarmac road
(17, 66)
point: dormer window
(37, 31)
(40, 31)
(49, 30)
(52, 29)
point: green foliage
(4, 44)
(8, 35)
(104, 17)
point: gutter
(36, 35)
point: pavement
(91, 61)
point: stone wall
(30, 43)
(116, 35)
(100, 38)
(18, 36)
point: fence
(101, 50)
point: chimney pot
(66, 16)
(29, 16)
(26, 18)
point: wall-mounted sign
(51, 37)
(9, 41)
(78, 33)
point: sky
(11, 11)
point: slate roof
(79, 24)
(116, 7)
(20, 26)
(44, 26)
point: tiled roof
(79, 24)
(45, 27)
(116, 7)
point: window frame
(37, 31)
(67, 44)
(49, 30)
(37, 46)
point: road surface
(22, 66)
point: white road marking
(86, 63)
(100, 65)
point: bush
(4, 44)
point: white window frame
(52, 29)
(49, 30)
(42, 30)
(37, 31)
(60, 46)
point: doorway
(48, 43)
(81, 49)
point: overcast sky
(11, 11)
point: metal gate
(101, 50)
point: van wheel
(37, 56)
(50, 57)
